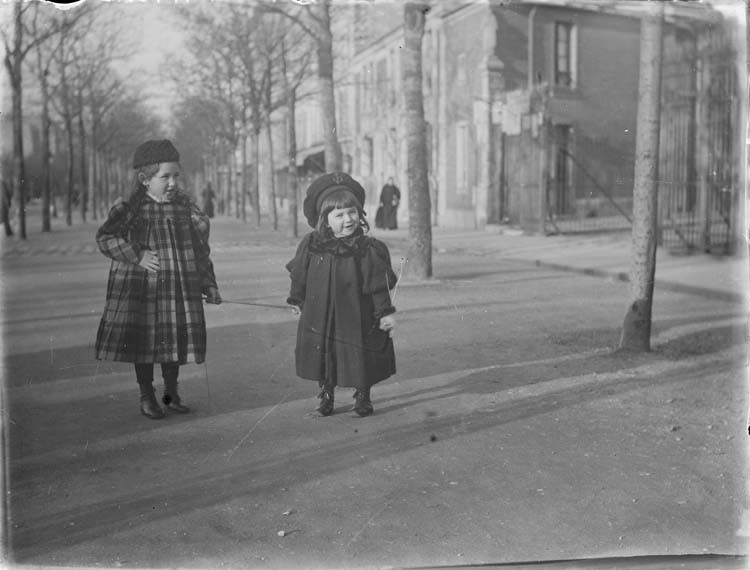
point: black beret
(155, 152)
(323, 186)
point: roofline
(675, 12)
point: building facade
(531, 110)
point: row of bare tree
(248, 61)
(89, 114)
(244, 64)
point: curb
(625, 278)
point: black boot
(149, 406)
(326, 399)
(362, 404)
(171, 399)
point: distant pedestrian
(390, 198)
(158, 242)
(208, 200)
(340, 282)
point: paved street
(511, 433)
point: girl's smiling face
(343, 221)
(165, 179)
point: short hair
(339, 199)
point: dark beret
(155, 152)
(325, 185)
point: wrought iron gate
(698, 193)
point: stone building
(531, 113)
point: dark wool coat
(342, 287)
(155, 317)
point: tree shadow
(187, 492)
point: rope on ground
(254, 304)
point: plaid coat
(155, 317)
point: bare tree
(97, 91)
(66, 110)
(254, 79)
(195, 124)
(285, 70)
(102, 95)
(315, 19)
(293, 72)
(636, 329)
(128, 123)
(65, 101)
(420, 230)
(215, 73)
(17, 47)
(43, 62)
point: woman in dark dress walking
(390, 198)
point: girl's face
(343, 221)
(165, 179)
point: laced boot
(149, 406)
(362, 404)
(326, 399)
(171, 398)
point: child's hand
(149, 261)
(212, 296)
(388, 323)
(296, 311)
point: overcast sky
(156, 32)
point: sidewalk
(601, 255)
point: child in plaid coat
(158, 243)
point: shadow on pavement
(263, 476)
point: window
(565, 54)
(462, 157)
(381, 80)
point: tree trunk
(217, 183)
(68, 119)
(6, 198)
(19, 168)
(46, 160)
(83, 198)
(233, 182)
(325, 81)
(636, 330)
(420, 230)
(244, 177)
(46, 150)
(255, 151)
(272, 187)
(94, 183)
(105, 175)
(13, 64)
(70, 173)
(292, 187)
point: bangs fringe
(340, 199)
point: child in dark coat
(341, 281)
(158, 243)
